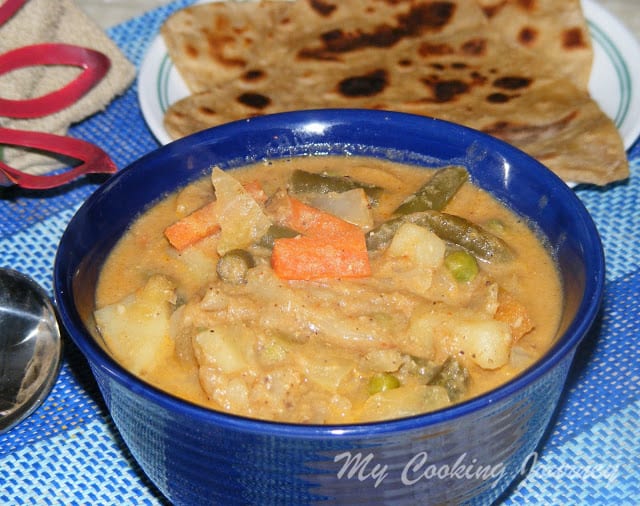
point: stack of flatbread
(516, 70)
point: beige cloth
(40, 21)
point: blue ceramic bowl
(469, 452)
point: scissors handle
(94, 64)
(94, 159)
(9, 8)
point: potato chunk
(485, 342)
(221, 348)
(136, 329)
(424, 248)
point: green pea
(462, 265)
(233, 266)
(382, 382)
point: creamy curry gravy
(336, 350)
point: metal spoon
(30, 347)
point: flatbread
(440, 59)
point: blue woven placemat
(69, 452)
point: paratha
(443, 59)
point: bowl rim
(585, 315)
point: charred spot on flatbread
(491, 10)
(322, 8)
(443, 91)
(429, 49)
(573, 38)
(207, 111)
(216, 48)
(498, 98)
(366, 85)
(254, 100)
(426, 16)
(475, 47)
(253, 75)
(512, 82)
(477, 78)
(528, 5)
(527, 36)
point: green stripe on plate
(162, 85)
(622, 71)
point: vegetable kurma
(329, 290)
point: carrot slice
(329, 247)
(193, 227)
(306, 258)
(314, 222)
(514, 313)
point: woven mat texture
(69, 452)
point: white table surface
(111, 12)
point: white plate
(614, 84)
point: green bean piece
(454, 377)
(380, 237)
(449, 227)
(460, 231)
(311, 182)
(233, 266)
(436, 193)
(462, 265)
(426, 369)
(382, 382)
(276, 232)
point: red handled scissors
(94, 65)
(94, 159)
